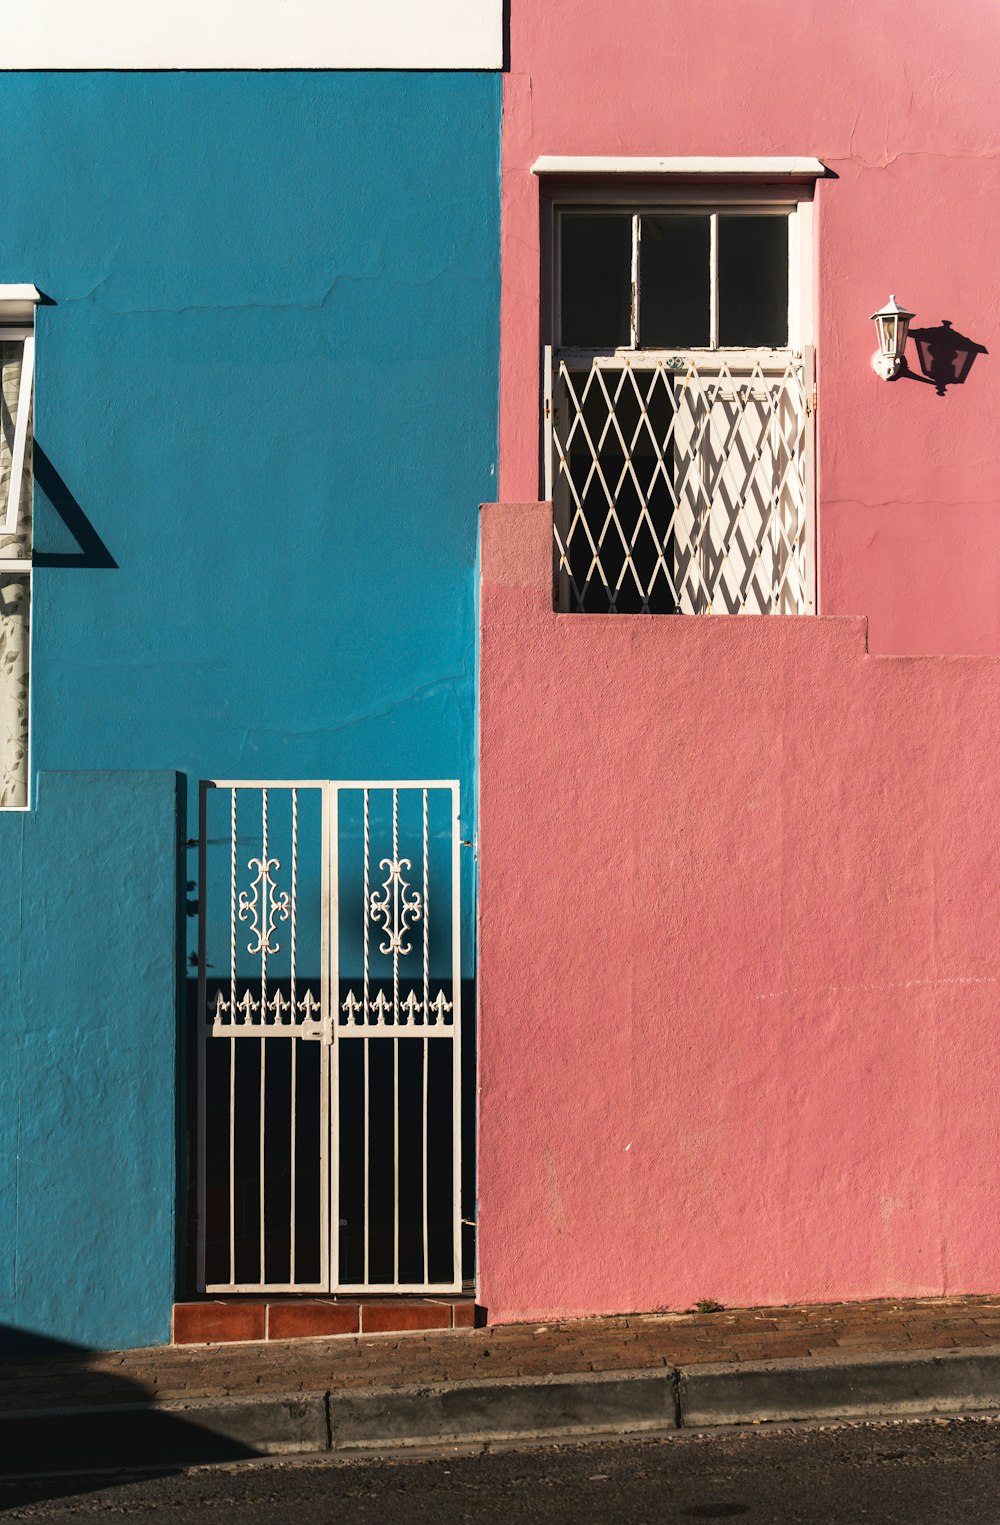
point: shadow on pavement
(63, 1413)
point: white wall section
(253, 34)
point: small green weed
(707, 1305)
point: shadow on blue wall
(91, 554)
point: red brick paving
(624, 1342)
(217, 1321)
(295, 1320)
(198, 1323)
(386, 1318)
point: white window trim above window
(735, 168)
(18, 303)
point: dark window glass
(674, 276)
(596, 280)
(753, 281)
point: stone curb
(841, 1387)
(506, 1409)
(163, 1434)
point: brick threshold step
(227, 1320)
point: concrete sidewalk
(633, 1373)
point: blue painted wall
(87, 1087)
(266, 413)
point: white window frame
(795, 203)
(606, 185)
(9, 510)
(17, 322)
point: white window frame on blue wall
(17, 335)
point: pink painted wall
(899, 99)
(739, 952)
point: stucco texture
(266, 413)
(88, 996)
(899, 102)
(738, 957)
(267, 382)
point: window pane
(674, 282)
(753, 281)
(596, 280)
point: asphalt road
(915, 1473)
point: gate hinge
(811, 402)
(472, 842)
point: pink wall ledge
(739, 927)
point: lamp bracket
(887, 367)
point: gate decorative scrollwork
(398, 907)
(263, 897)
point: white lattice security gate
(329, 1080)
(681, 484)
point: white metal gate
(681, 484)
(329, 1015)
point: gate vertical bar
(201, 1030)
(456, 980)
(265, 874)
(397, 868)
(366, 851)
(232, 1039)
(365, 1114)
(365, 918)
(395, 1160)
(330, 1061)
(395, 904)
(364, 1213)
(426, 1055)
(294, 1056)
(549, 405)
(811, 503)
